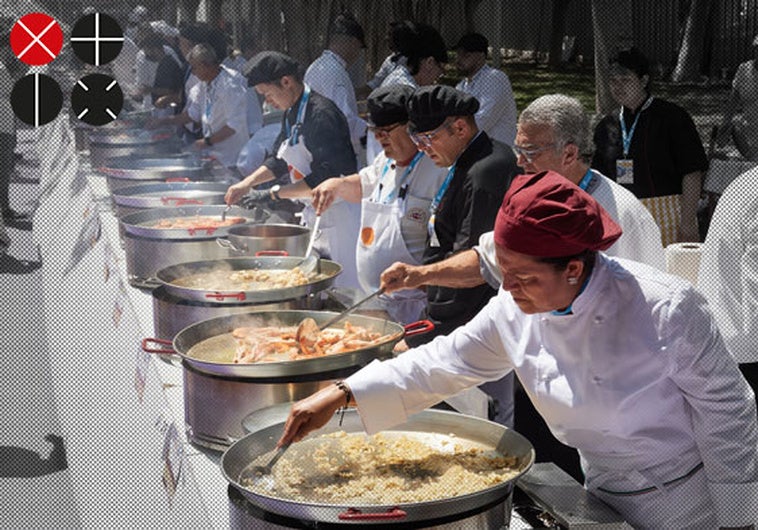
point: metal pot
(220, 360)
(164, 195)
(150, 249)
(328, 272)
(419, 514)
(111, 143)
(251, 239)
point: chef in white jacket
(729, 271)
(624, 362)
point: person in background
(397, 36)
(395, 192)
(248, 46)
(138, 16)
(154, 46)
(728, 274)
(328, 74)
(7, 158)
(743, 126)
(651, 147)
(218, 103)
(497, 107)
(624, 362)
(313, 145)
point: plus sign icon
(97, 39)
(36, 39)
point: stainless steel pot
(168, 275)
(435, 422)
(248, 240)
(219, 361)
(150, 249)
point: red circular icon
(36, 39)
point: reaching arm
(236, 191)
(346, 188)
(459, 271)
(692, 184)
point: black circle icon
(97, 99)
(97, 39)
(36, 99)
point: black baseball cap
(472, 42)
(345, 24)
(632, 59)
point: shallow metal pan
(156, 168)
(171, 194)
(219, 361)
(138, 223)
(430, 422)
(166, 276)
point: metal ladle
(309, 263)
(262, 474)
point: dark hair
(632, 59)
(427, 42)
(587, 257)
(401, 35)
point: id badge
(625, 171)
(434, 241)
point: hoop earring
(572, 280)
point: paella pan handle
(418, 328)
(271, 253)
(162, 351)
(222, 296)
(179, 201)
(177, 179)
(353, 514)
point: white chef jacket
(745, 83)
(729, 266)
(388, 66)
(640, 240)
(497, 107)
(222, 101)
(328, 76)
(424, 181)
(637, 378)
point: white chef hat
(161, 27)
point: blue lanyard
(208, 107)
(567, 311)
(408, 170)
(438, 197)
(585, 182)
(626, 137)
(299, 118)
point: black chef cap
(632, 59)
(345, 24)
(269, 67)
(429, 106)
(472, 42)
(387, 104)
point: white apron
(380, 245)
(338, 229)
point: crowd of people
(533, 240)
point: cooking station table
(118, 404)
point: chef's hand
(254, 197)
(235, 192)
(311, 413)
(399, 276)
(324, 194)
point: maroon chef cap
(545, 215)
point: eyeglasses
(530, 154)
(383, 132)
(424, 140)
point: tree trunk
(558, 20)
(612, 26)
(693, 41)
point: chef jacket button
(599, 319)
(597, 380)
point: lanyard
(408, 170)
(585, 182)
(626, 137)
(208, 106)
(292, 138)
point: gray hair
(203, 53)
(567, 119)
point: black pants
(7, 165)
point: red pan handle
(418, 328)
(178, 179)
(271, 253)
(179, 201)
(353, 514)
(162, 351)
(220, 296)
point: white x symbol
(36, 39)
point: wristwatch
(274, 191)
(207, 140)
